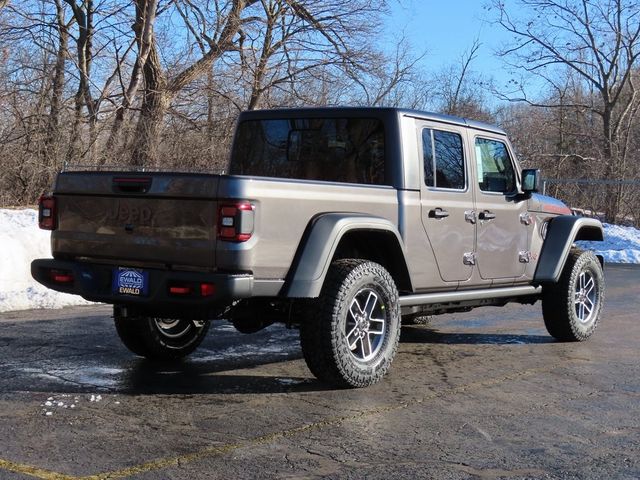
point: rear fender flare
(563, 231)
(319, 245)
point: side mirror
(531, 180)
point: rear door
(447, 199)
(503, 221)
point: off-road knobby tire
(142, 336)
(321, 331)
(558, 300)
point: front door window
(495, 170)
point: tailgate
(164, 219)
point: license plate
(130, 281)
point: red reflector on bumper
(207, 289)
(60, 277)
(180, 290)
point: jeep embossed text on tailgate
(124, 213)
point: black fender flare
(319, 246)
(562, 232)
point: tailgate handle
(131, 184)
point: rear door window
(443, 159)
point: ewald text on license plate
(129, 281)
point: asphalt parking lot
(486, 394)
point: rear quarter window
(326, 149)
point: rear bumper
(93, 282)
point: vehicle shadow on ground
(145, 377)
(429, 335)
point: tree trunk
(261, 68)
(52, 140)
(612, 202)
(83, 96)
(73, 152)
(143, 29)
(154, 106)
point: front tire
(571, 308)
(158, 338)
(351, 332)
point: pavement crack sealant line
(214, 451)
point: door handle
(438, 213)
(486, 215)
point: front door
(503, 221)
(447, 200)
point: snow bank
(21, 241)
(621, 244)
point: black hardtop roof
(367, 111)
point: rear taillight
(235, 222)
(47, 213)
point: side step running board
(468, 295)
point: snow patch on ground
(65, 401)
(21, 241)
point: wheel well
(380, 247)
(589, 233)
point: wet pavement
(486, 394)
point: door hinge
(525, 218)
(524, 257)
(470, 216)
(469, 258)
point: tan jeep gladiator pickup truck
(341, 222)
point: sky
(447, 29)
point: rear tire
(157, 338)
(571, 308)
(350, 334)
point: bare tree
(84, 17)
(458, 90)
(145, 18)
(600, 42)
(298, 39)
(388, 79)
(58, 82)
(160, 88)
(91, 92)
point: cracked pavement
(486, 394)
